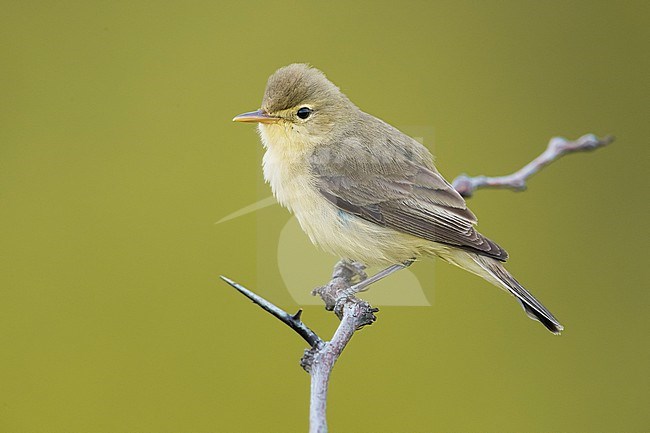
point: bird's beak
(255, 116)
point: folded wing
(395, 186)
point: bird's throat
(284, 164)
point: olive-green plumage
(365, 191)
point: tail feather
(533, 308)
(550, 323)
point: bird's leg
(364, 284)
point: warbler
(363, 190)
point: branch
(354, 314)
(292, 321)
(516, 181)
(320, 359)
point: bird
(363, 190)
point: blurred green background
(118, 155)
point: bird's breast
(288, 172)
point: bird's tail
(493, 271)
(501, 277)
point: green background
(118, 155)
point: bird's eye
(304, 112)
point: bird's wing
(397, 189)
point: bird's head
(300, 104)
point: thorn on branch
(292, 321)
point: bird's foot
(350, 271)
(345, 274)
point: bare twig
(557, 147)
(319, 360)
(293, 321)
(354, 314)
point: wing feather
(397, 186)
